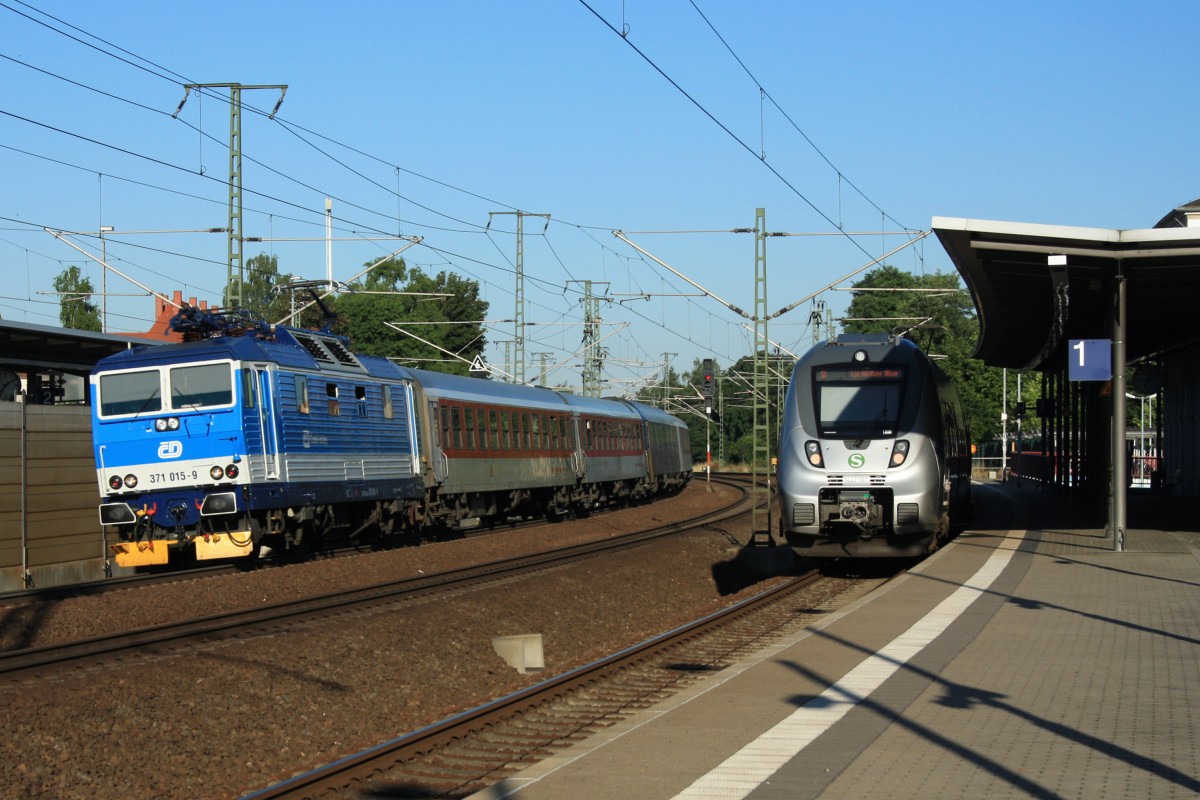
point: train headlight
(216, 473)
(130, 481)
(115, 482)
(164, 424)
(899, 452)
(231, 471)
(812, 450)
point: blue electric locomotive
(874, 452)
(230, 439)
(265, 436)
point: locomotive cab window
(130, 393)
(249, 388)
(855, 401)
(201, 386)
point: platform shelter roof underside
(25, 346)
(1031, 305)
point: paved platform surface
(1025, 659)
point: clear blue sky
(421, 118)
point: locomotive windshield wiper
(153, 395)
(874, 429)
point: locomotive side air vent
(339, 351)
(313, 347)
(328, 351)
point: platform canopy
(28, 347)
(1030, 304)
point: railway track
(202, 569)
(472, 750)
(275, 618)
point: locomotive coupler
(861, 510)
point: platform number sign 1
(1089, 360)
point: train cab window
(389, 411)
(130, 393)
(858, 401)
(335, 405)
(302, 394)
(201, 386)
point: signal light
(708, 378)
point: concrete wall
(50, 532)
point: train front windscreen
(858, 401)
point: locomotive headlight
(860, 356)
(812, 450)
(164, 424)
(115, 482)
(216, 473)
(231, 471)
(172, 423)
(130, 481)
(899, 452)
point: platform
(1022, 660)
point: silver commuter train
(874, 451)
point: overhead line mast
(517, 367)
(234, 262)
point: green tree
(262, 289)
(392, 293)
(75, 307)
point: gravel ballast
(219, 719)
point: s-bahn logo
(856, 460)
(170, 449)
